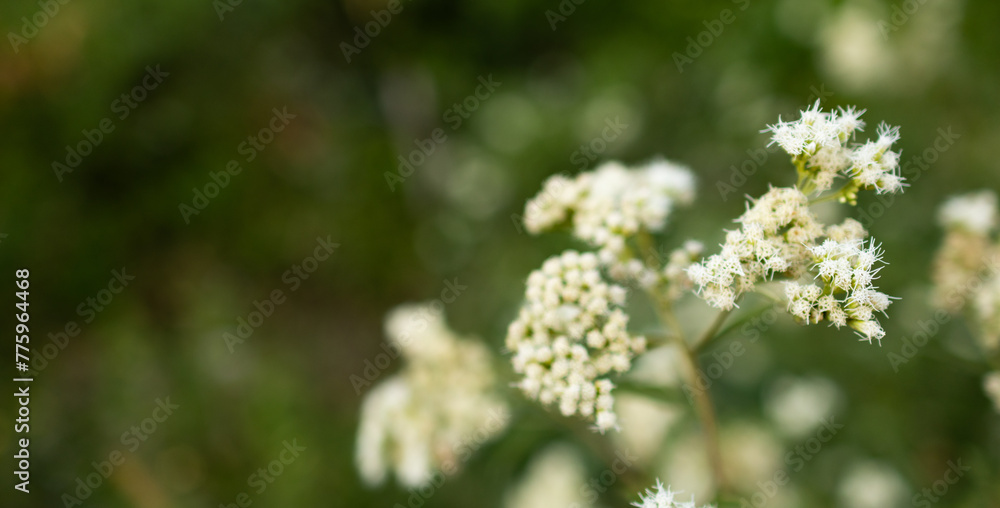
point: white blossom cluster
(660, 497)
(611, 204)
(422, 419)
(847, 296)
(570, 335)
(780, 236)
(822, 143)
(966, 266)
(773, 240)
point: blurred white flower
(645, 423)
(975, 212)
(751, 454)
(966, 265)
(553, 479)
(869, 484)
(610, 205)
(417, 421)
(991, 385)
(799, 405)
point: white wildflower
(772, 241)
(974, 212)
(418, 420)
(847, 296)
(660, 497)
(570, 335)
(822, 143)
(610, 205)
(874, 166)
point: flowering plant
(573, 335)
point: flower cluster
(847, 297)
(660, 497)
(780, 237)
(570, 334)
(773, 240)
(966, 266)
(419, 420)
(610, 205)
(820, 145)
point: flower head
(417, 420)
(612, 204)
(772, 240)
(821, 142)
(570, 335)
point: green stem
(706, 413)
(824, 199)
(702, 399)
(710, 332)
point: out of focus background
(168, 166)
